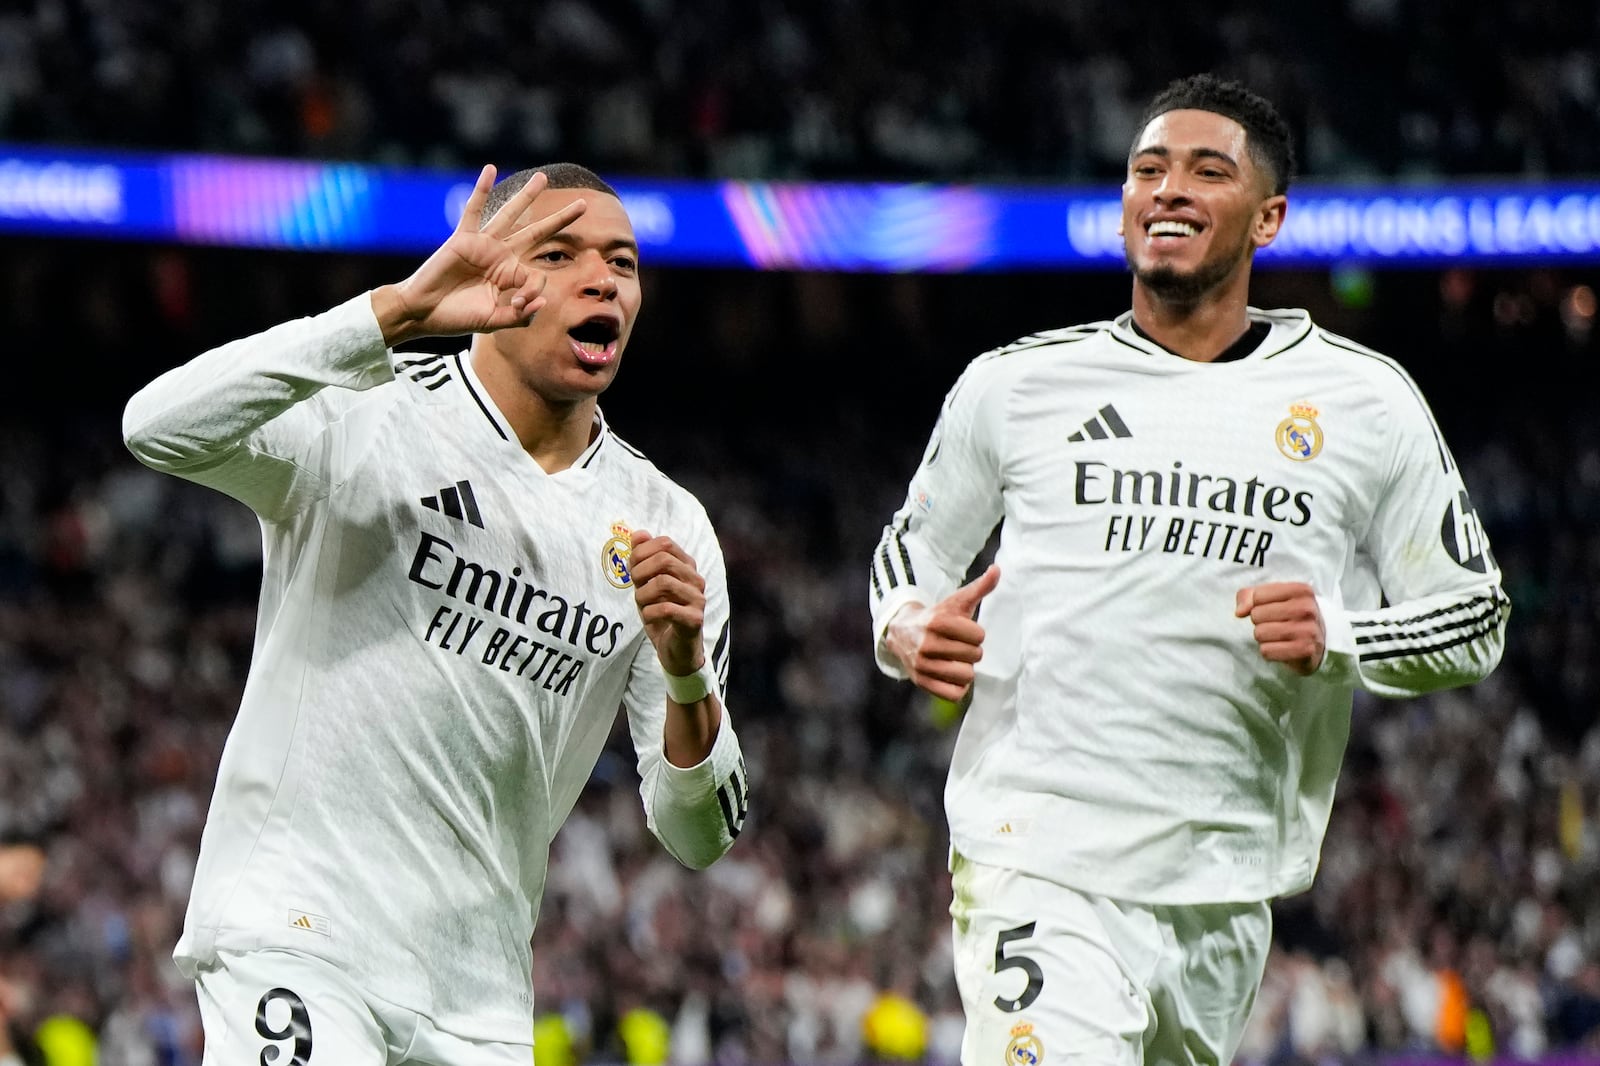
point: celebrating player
(466, 574)
(1215, 523)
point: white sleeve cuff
(1341, 663)
(356, 344)
(882, 614)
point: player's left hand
(671, 597)
(1288, 623)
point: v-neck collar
(1287, 327)
(497, 421)
(1248, 341)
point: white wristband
(690, 689)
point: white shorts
(281, 1008)
(1047, 973)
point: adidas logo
(429, 371)
(310, 923)
(1108, 424)
(456, 501)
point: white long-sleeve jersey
(445, 637)
(1124, 735)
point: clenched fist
(671, 597)
(1288, 623)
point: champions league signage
(1377, 227)
(1445, 225)
(293, 204)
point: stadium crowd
(1456, 910)
(903, 88)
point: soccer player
(466, 574)
(1215, 522)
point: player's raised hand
(939, 645)
(478, 280)
(671, 597)
(1288, 623)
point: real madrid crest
(1299, 437)
(1025, 1048)
(614, 556)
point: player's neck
(1200, 331)
(554, 435)
(555, 432)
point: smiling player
(1215, 523)
(466, 572)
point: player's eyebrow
(612, 245)
(1215, 153)
(1199, 153)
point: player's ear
(1269, 219)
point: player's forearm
(690, 730)
(206, 407)
(1428, 644)
(398, 321)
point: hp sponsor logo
(1463, 537)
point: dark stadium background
(1457, 911)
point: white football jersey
(446, 634)
(1124, 735)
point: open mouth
(595, 340)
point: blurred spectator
(1326, 1019)
(22, 866)
(21, 871)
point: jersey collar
(480, 400)
(1284, 328)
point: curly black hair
(1266, 132)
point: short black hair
(1266, 133)
(560, 176)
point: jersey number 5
(1002, 961)
(298, 1027)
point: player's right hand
(478, 280)
(940, 645)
